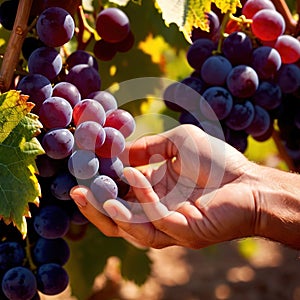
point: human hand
(188, 189)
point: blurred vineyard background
(247, 269)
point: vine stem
(14, 46)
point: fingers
(148, 149)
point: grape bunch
(83, 133)
(246, 75)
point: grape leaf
(18, 150)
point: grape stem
(83, 26)
(14, 46)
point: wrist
(277, 200)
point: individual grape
(8, 12)
(76, 216)
(288, 78)
(52, 279)
(187, 117)
(268, 24)
(260, 123)
(89, 135)
(251, 7)
(241, 116)
(47, 166)
(242, 81)
(51, 222)
(214, 25)
(237, 139)
(83, 164)
(67, 91)
(215, 70)
(212, 128)
(266, 61)
(19, 283)
(199, 51)
(126, 44)
(12, 254)
(38, 87)
(106, 99)
(50, 251)
(121, 120)
(112, 167)
(85, 78)
(112, 25)
(237, 48)
(289, 48)
(55, 26)
(81, 57)
(62, 184)
(169, 97)
(268, 95)
(113, 145)
(268, 134)
(104, 188)
(88, 110)
(216, 103)
(58, 143)
(123, 187)
(104, 50)
(29, 45)
(45, 61)
(55, 112)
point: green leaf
(18, 150)
(89, 256)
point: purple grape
(89, 135)
(199, 51)
(242, 81)
(55, 26)
(237, 48)
(62, 184)
(260, 123)
(106, 99)
(67, 91)
(81, 57)
(266, 62)
(187, 117)
(112, 167)
(215, 70)
(288, 78)
(83, 164)
(29, 45)
(52, 279)
(19, 283)
(112, 25)
(89, 110)
(237, 139)
(51, 222)
(241, 116)
(50, 251)
(58, 143)
(47, 166)
(45, 61)
(85, 78)
(104, 188)
(113, 145)
(12, 254)
(55, 112)
(121, 120)
(8, 12)
(268, 95)
(38, 87)
(217, 103)
(104, 50)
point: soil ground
(270, 272)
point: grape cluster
(83, 134)
(246, 75)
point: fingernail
(129, 172)
(111, 210)
(79, 200)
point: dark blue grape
(52, 279)
(51, 222)
(19, 283)
(12, 254)
(112, 167)
(62, 184)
